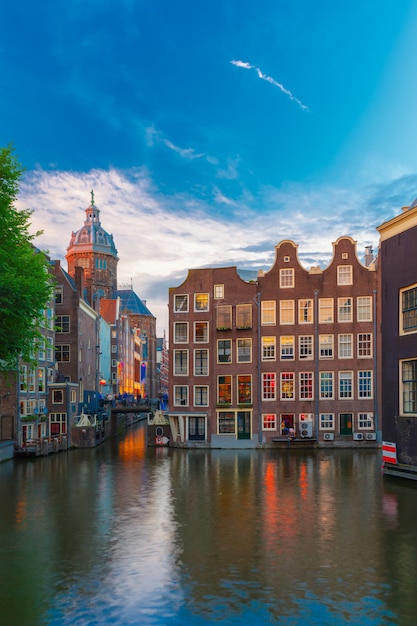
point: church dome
(92, 237)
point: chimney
(369, 257)
(79, 280)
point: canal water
(125, 534)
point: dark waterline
(124, 535)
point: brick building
(290, 352)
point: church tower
(93, 249)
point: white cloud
(160, 237)
(272, 81)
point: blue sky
(210, 131)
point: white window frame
(181, 338)
(305, 311)
(326, 310)
(286, 278)
(345, 275)
(199, 298)
(181, 367)
(364, 308)
(345, 345)
(181, 303)
(286, 312)
(268, 313)
(269, 348)
(306, 347)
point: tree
(25, 285)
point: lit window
(268, 313)
(345, 346)
(268, 386)
(244, 350)
(345, 309)
(224, 317)
(244, 389)
(269, 421)
(345, 385)
(219, 292)
(181, 303)
(286, 277)
(344, 275)
(306, 385)
(305, 345)
(268, 348)
(180, 332)
(305, 311)
(287, 348)
(364, 309)
(287, 385)
(286, 311)
(326, 385)
(201, 302)
(365, 384)
(224, 389)
(224, 351)
(244, 316)
(325, 310)
(180, 362)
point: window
(58, 423)
(180, 362)
(268, 313)
(49, 349)
(325, 310)
(224, 390)
(224, 317)
(305, 347)
(59, 293)
(244, 350)
(326, 346)
(226, 422)
(366, 420)
(41, 349)
(409, 386)
(114, 348)
(244, 389)
(365, 384)
(268, 348)
(287, 385)
(201, 332)
(364, 309)
(364, 345)
(201, 395)
(200, 362)
(268, 386)
(305, 311)
(219, 292)
(23, 380)
(345, 346)
(62, 353)
(345, 385)
(286, 277)
(180, 395)
(73, 396)
(344, 275)
(306, 385)
(201, 302)
(287, 347)
(409, 310)
(181, 303)
(57, 396)
(326, 385)
(62, 323)
(269, 421)
(244, 316)
(344, 308)
(41, 379)
(326, 421)
(224, 350)
(180, 332)
(114, 362)
(286, 311)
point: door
(243, 424)
(346, 424)
(196, 429)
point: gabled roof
(131, 302)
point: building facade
(398, 271)
(290, 353)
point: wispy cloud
(272, 81)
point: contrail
(248, 66)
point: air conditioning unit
(306, 429)
(370, 436)
(357, 436)
(328, 436)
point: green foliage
(25, 287)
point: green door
(346, 423)
(243, 425)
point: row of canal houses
(98, 348)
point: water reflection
(129, 535)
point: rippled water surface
(126, 534)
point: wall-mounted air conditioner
(370, 436)
(328, 436)
(357, 436)
(306, 429)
